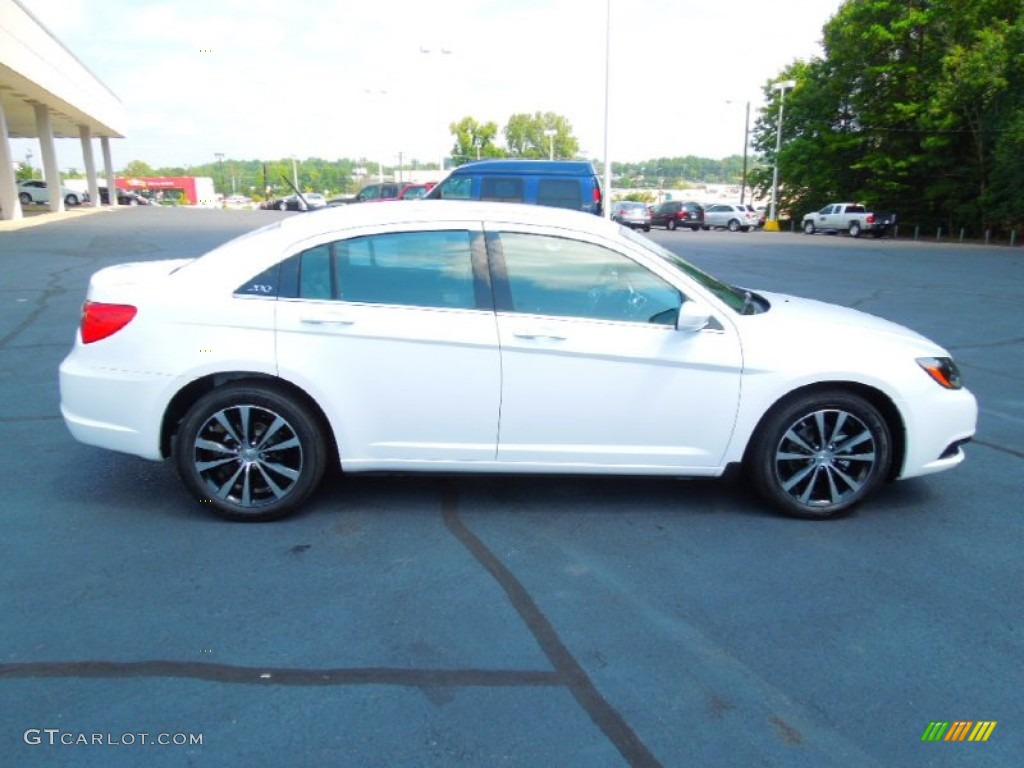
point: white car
(731, 217)
(36, 191)
(453, 336)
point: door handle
(326, 320)
(542, 335)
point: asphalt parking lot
(436, 621)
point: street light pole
(550, 133)
(295, 171)
(772, 225)
(606, 202)
(746, 143)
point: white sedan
(36, 191)
(489, 337)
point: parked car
(374, 193)
(735, 218)
(758, 213)
(673, 214)
(632, 214)
(36, 191)
(296, 203)
(852, 218)
(571, 184)
(124, 197)
(593, 350)
(415, 191)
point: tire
(705, 227)
(733, 225)
(282, 206)
(25, 198)
(671, 224)
(808, 227)
(818, 456)
(70, 200)
(855, 229)
(281, 467)
(647, 228)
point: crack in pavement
(567, 673)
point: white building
(48, 94)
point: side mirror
(693, 316)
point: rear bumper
(113, 409)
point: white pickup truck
(848, 217)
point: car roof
(433, 211)
(530, 167)
(289, 232)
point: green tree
(525, 136)
(138, 168)
(915, 107)
(474, 140)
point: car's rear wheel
(25, 198)
(647, 227)
(671, 224)
(250, 453)
(70, 199)
(734, 225)
(282, 206)
(820, 455)
(855, 229)
(809, 227)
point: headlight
(943, 370)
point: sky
(271, 79)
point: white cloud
(256, 78)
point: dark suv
(676, 213)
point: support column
(108, 170)
(10, 205)
(90, 164)
(51, 173)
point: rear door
(394, 335)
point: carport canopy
(47, 93)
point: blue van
(558, 183)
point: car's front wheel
(249, 452)
(25, 198)
(820, 455)
(809, 227)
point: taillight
(102, 320)
(871, 218)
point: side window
(501, 190)
(420, 269)
(568, 278)
(315, 273)
(456, 188)
(370, 193)
(559, 193)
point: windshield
(736, 298)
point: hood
(797, 328)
